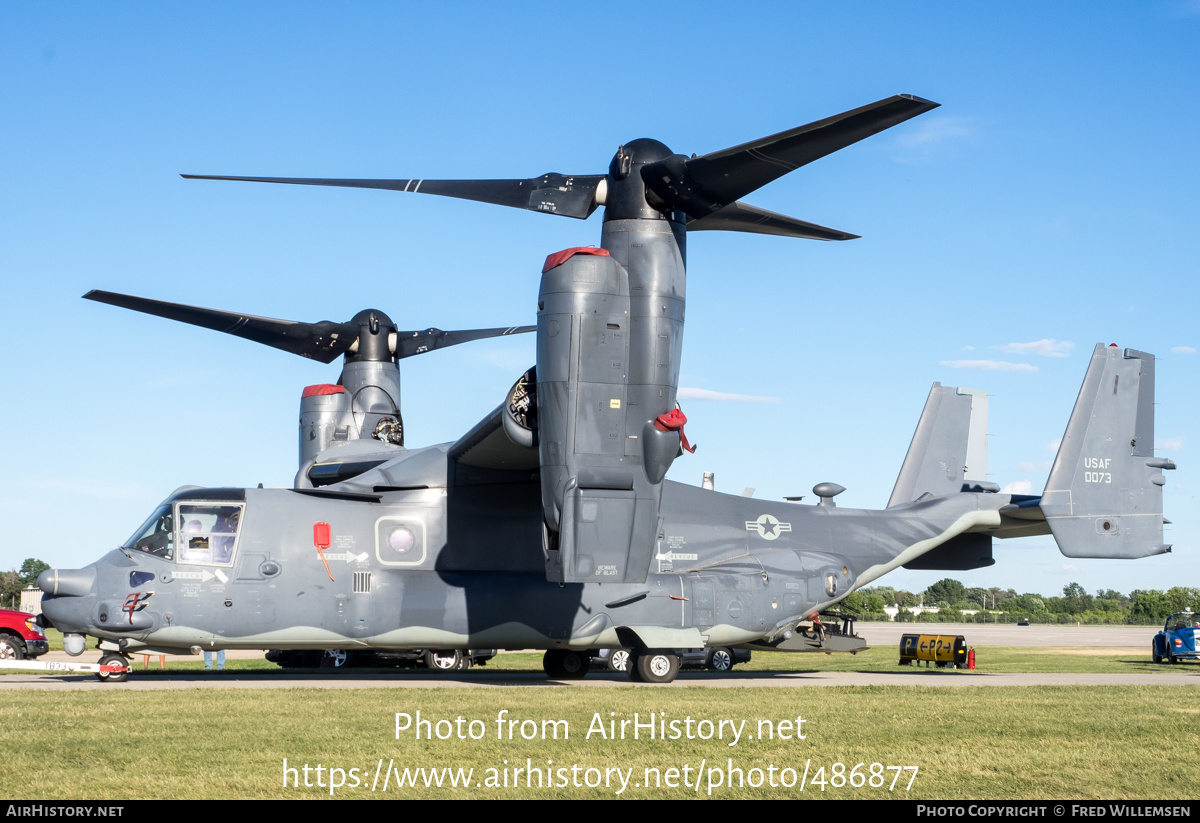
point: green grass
(968, 743)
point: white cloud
(705, 394)
(1053, 445)
(1182, 350)
(968, 348)
(1169, 444)
(1068, 567)
(1018, 487)
(988, 365)
(1047, 347)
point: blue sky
(1050, 198)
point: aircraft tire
(656, 666)
(113, 659)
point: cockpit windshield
(156, 536)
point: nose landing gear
(114, 668)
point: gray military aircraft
(549, 524)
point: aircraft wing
(487, 446)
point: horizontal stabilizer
(959, 554)
(1104, 494)
(948, 453)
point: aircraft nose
(68, 603)
(67, 582)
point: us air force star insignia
(768, 527)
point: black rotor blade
(702, 185)
(746, 218)
(570, 196)
(324, 341)
(409, 343)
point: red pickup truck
(19, 636)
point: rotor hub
(374, 329)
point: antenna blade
(568, 195)
(743, 217)
(324, 341)
(409, 343)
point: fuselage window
(208, 532)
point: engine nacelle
(365, 403)
(324, 414)
(596, 428)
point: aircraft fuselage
(462, 565)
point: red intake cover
(560, 257)
(323, 388)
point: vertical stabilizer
(1104, 494)
(948, 453)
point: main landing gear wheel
(565, 665)
(114, 659)
(720, 660)
(618, 660)
(444, 661)
(654, 667)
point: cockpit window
(156, 536)
(208, 532)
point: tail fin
(1104, 494)
(949, 446)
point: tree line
(951, 598)
(14, 580)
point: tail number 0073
(1097, 463)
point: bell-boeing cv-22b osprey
(549, 525)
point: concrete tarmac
(1134, 641)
